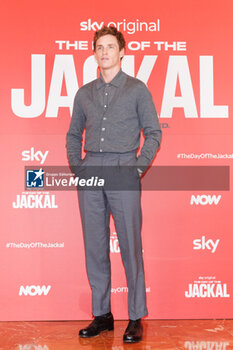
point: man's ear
(122, 52)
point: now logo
(205, 199)
(34, 290)
(205, 345)
(32, 347)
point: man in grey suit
(113, 109)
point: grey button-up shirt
(113, 115)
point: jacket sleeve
(74, 136)
(150, 126)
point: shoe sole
(131, 341)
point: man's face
(107, 53)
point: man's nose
(105, 49)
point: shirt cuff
(140, 171)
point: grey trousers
(95, 208)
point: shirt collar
(116, 81)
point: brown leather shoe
(133, 332)
(98, 325)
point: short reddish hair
(112, 31)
